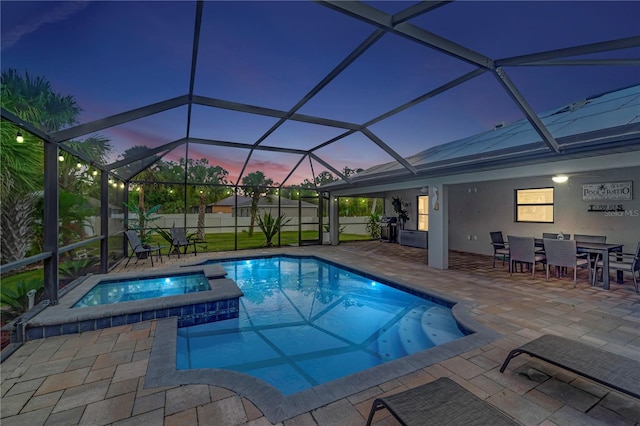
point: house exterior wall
(475, 209)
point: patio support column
(334, 221)
(104, 222)
(125, 246)
(51, 219)
(438, 226)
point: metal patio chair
(140, 250)
(500, 247)
(179, 239)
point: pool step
(439, 326)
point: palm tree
(33, 100)
(254, 185)
(146, 174)
(209, 177)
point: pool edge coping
(277, 407)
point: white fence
(216, 223)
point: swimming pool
(116, 291)
(304, 322)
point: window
(423, 213)
(534, 205)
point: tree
(200, 171)
(347, 171)
(33, 100)
(95, 148)
(323, 178)
(141, 169)
(255, 185)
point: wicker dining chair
(564, 254)
(523, 250)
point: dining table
(602, 249)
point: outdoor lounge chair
(179, 239)
(615, 371)
(564, 254)
(500, 247)
(523, 250)
(139, 250)
(441, 402)
(625, 262)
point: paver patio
(97, 377)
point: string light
(19, 137)
(95, 173)
(79, 165)
(60, 157)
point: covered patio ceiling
(295, 89)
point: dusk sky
(117, 56)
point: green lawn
(226, 241)
(213, 242)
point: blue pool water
(304, 322)
(107, 292)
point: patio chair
(179, 239)
(582, 238)
(441, 402)
(523, 250)
(140, 250)
(625, 262)
(564, 254)
(500, 247)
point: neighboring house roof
(607, 122)
(230, 201)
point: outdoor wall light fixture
(436, 196)
(560, 178)
(19, 137)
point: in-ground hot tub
(215, 301)
(140, 288)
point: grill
(389, 229)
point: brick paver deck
(96, 378)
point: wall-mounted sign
(607, 191)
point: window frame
(516, 205)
